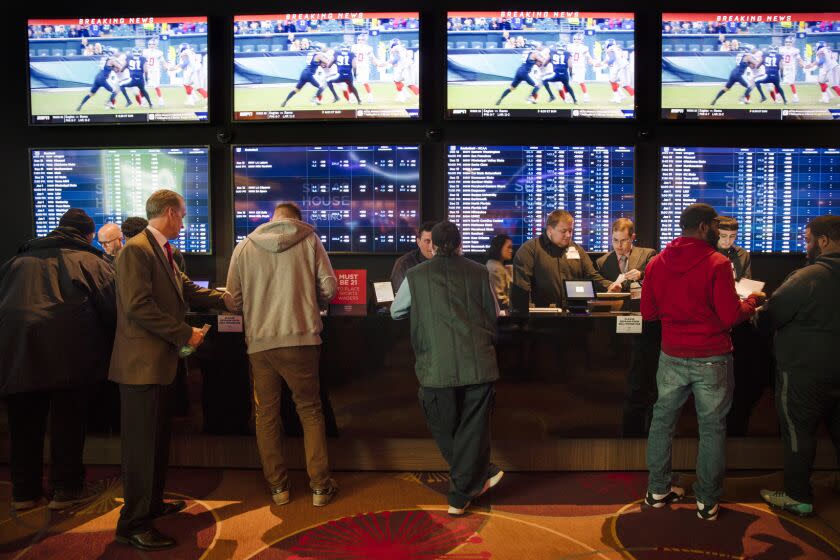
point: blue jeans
(711, 381)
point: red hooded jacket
(690, 288)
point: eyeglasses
(109, 241)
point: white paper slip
(384, 292)
(745, 287)
(631, 324)
(230, 323)
(572, 254)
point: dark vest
(453, 322)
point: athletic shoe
(280, 495)
(323, 496)
(661, 500)
(779, 500)
(706, 512)
(23, 505)
(456, 511)
(491, 482)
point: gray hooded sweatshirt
(280, 277)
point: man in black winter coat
(804, 313)
(57, 320)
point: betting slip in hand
(744, 287)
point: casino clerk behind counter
(541, 264)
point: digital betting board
(112, 184)
(512, 189)
(361, 199)
(772, 192)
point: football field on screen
(270, 98)
(484, 96)
(65, 102)
(701, 96)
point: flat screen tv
(112, 184)
(326, 65)
(361, 199)
(118, 70)
(762, 65)
(540, 64)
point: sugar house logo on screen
(118, 70)
(343, 65)
(766, 66)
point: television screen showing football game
(761, 65)
(118, 70)
(361, 199)
(343, 65)
(540, 64)
(113, 184)
(512, 189)
(772, 192)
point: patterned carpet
(401, 516)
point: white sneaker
(795, 98)
(458, 511)
(190, 101)
(707, 513)
(160, 102)
(371, 99)
(586, 98)
(491, 482)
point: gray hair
(160, 200)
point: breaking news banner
(751, 66)
(118, 70)
(540, 64)
(343, 65)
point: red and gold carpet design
(391, 516)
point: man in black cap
(453, 313)
(57, 315)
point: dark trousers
(641, 381)
(803, 400)
(28, 412)
(459, 419)
(753, 359)
(146, 426)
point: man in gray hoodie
(280, 277)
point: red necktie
(169, 255)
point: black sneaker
(63, 499)
(661, 500)
(323, 496)
(707, 512)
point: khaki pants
(298, 366)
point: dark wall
(647, 132)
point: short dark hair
(622, 224)
(828, 226)
(133, 225)
(696, 214)
(446, 237)
(495, 250)
(287, 208)
(160, 200)
(425, 226)
(554, 218)
(727, 223)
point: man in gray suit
(152, 299)
(623, 266)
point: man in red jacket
(689, 287)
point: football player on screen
(136, 67)
(401, 60)
(770, 63)
(108, 63)
(344, 61)
(189, 64)
(745, 60)
(364, 58)
(155, 64)
(579, 60)
(315, 59)
(557, 70)
(790, 59)
(829, 70)
(531, 58)
(617, 60)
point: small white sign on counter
(230, 323)
(628, 324)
